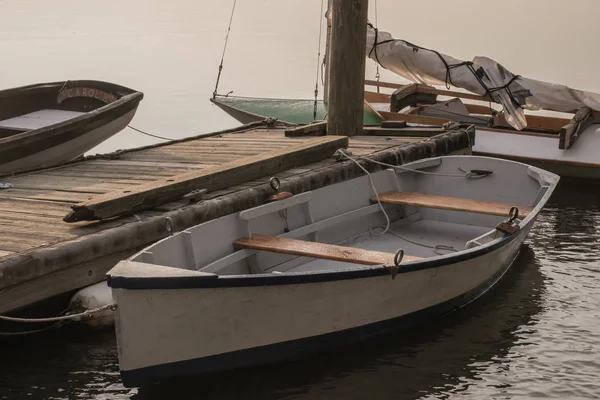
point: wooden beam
(571, 131)
(477, 109)
(410, 96)
(155, 193)
(347, 67)
(414, 119)
(373, 97)
(536, 122)
(316, 129)
(430, 90)
(402, 132)
(318, 250)
(451, 203)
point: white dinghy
(303, 273)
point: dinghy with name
(48, 124)
(303, 273)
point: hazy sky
(170, 50)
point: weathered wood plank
(571, 131)
(430, 90)
(402, 132)
(140, 164)
(451, 203)
(155, 193)
(59, 196)
(5, 253)
(374, 97)
(415, 119)
(318, 250)
(316, 129)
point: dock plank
(160, 192)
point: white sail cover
(483, 76)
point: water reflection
(431, 360)
(568, 229)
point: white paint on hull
(195, 323)
(544, 151)
(69, 150)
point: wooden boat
(48, 124)
(565, 146)
(304, 273)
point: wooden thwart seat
(451, 203)
(318, 250)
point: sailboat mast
(347, 67)
(326, 57)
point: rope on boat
(318, 65)
(62, 318)
(386, 229)
(224, 48)
(475, 174)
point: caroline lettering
(85, 92)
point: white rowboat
(299, 275)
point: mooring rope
(68, 317)
(224, 48)
(149, 134)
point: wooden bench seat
(451, 203)
(318, 250)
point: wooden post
(347, 67)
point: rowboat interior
(437, 208)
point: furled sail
(483, 76)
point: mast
(326, 56)
(347, 67)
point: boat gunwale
(212, 280)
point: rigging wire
(224, 48)
(376, 63)
(318, 64)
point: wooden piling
(347, 67)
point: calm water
(535, 335)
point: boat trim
(533, 159)
(291, 278)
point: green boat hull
(250, 109)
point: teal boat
(293, 111)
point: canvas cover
(482, 75)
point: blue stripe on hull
(300, 348)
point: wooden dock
(42, 256)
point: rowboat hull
(277, 323)
(48, 124)
(68, 150)
(175, 319)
